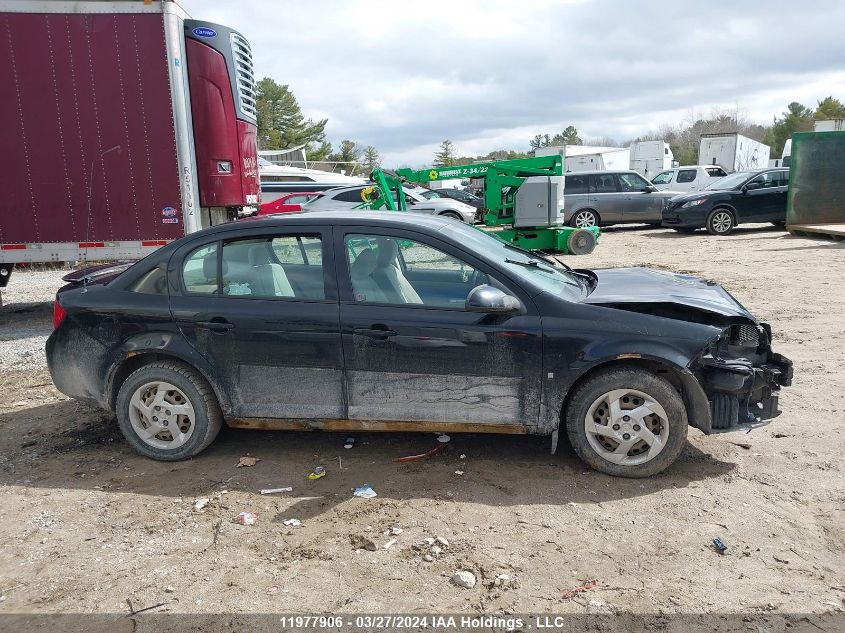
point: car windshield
(732, 181)
(533, 269)
(431, 194)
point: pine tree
(446, 156)
(281, 124)
(372, 159)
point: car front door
(763, 198)
(262, 308)
(604, 196)
(415, 354)
(641, 205)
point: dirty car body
(383, 321)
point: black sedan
(744, 196)
(391, 321)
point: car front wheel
(627, 422)
(167, 411)
(584, 219)
(720, 222)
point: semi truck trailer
(126, 125)
(733, 152)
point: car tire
(596, 439)
(720, 221)
(584, 219)
(686, 230)
(185, 402)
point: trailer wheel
(581, 242)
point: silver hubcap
(161, 415)
(584, 220)
(722, 222)
(627, 427)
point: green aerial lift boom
(523, 200)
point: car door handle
(374, 333)
(216, 325)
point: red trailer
(125, 125)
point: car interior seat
(388, 275)
(271, 278)
(364, 286)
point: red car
(287, 203)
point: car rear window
(353, 195)
(686, 175)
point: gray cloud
(403, 77)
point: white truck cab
(688, 177)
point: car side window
(199, 270)
(768, 180)
(686, 175)
(400, 271)
(663, 178)
(632, 182)
(716, 172)
(288, 266)
(575, 184)
(353, 195)
(602, 183)
(153, 282)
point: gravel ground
(92, 527)
(26, 317)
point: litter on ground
(415, 458)
(366, 491)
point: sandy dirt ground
(89, 526)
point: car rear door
(414, 354)
(604, 196)
(261, 306)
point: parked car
(394, 321)
(462, 196)
(688, 178)
(288, 203)
(744, 196)
(350, 197)
(612, 197)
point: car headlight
(693, 203)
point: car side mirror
(490, 299)
(751, 186)
(650, 189)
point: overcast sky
(488, 75)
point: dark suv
(744, 196)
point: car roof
(600, 171)
(387, 219)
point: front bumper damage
(742, 378)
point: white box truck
(649, 158)
(733, 152)
(588, 157)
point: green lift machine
(523, 200)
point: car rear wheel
(627, 422)
(167, 411)
(720, 222)
(584, 219)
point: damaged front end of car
(742, 377)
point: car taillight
(59, 314)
